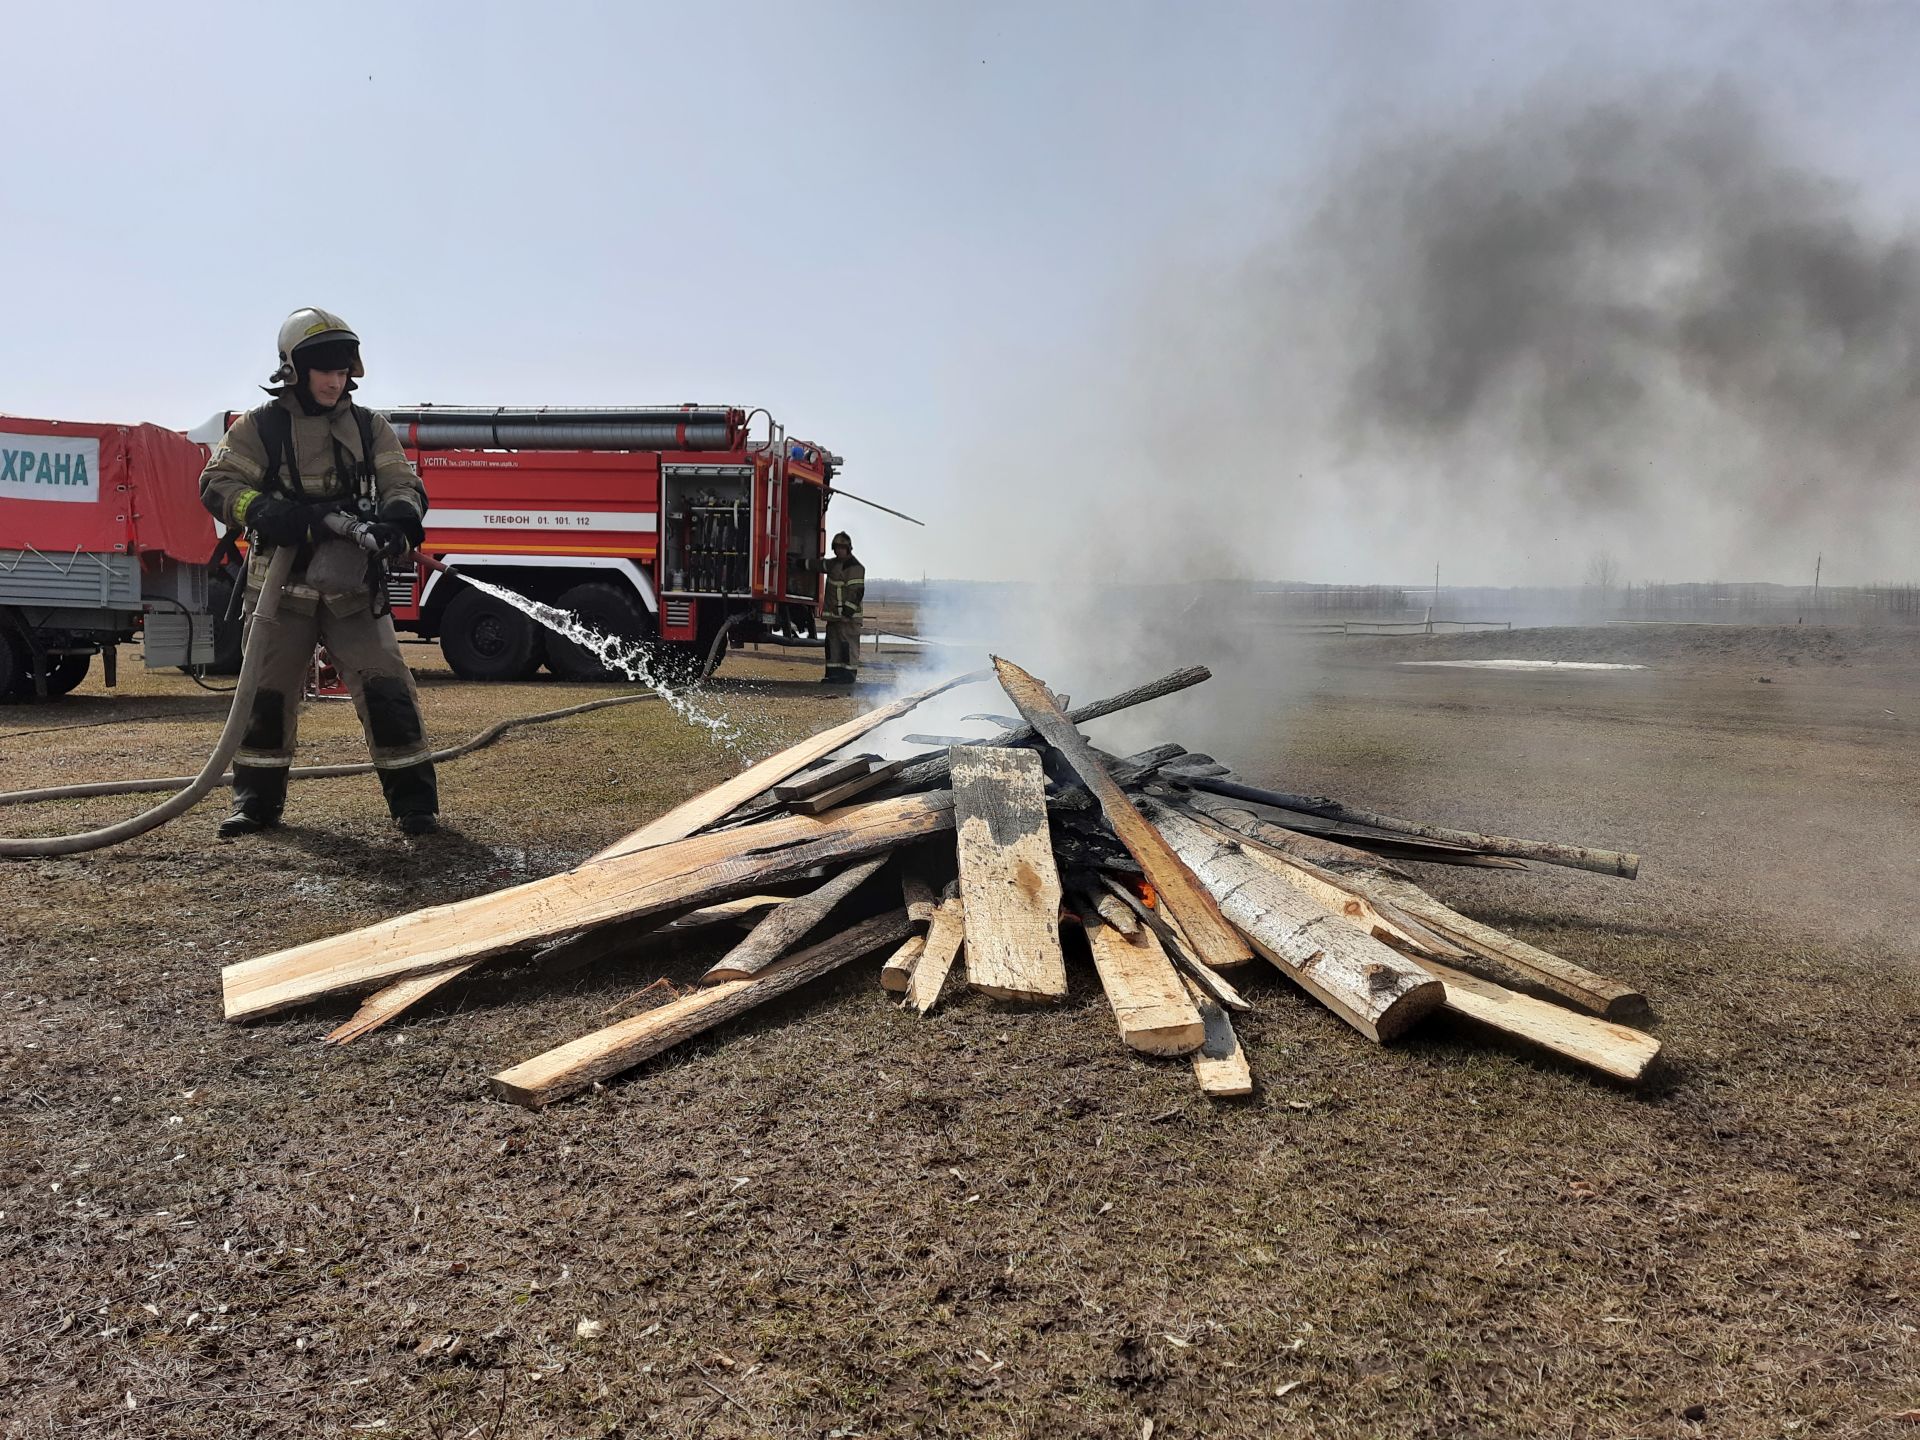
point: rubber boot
(259, 795)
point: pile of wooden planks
(998, 864)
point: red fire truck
(688, 525)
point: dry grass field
(834, 1219)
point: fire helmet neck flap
(307, 327)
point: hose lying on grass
(193, 788)
(266, 612)
(309, 772)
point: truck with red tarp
(102, 537)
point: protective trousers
(368, 658)
(843, 644)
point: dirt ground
(836, 1220)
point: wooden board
(788, 924)
(696, 871)
(1213, 940)
(572, 1067)
(1603, 1045)
(1219, 1065)
(944, 938)
(897, 973)
(847, 789)
(1150, 1004)
(823, 777)
(1009, 884)
(1376, 990)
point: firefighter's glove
(406, 519)
(284, 522)
(393, 540)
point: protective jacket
(846, 589)
(323, 462)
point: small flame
(1148, 895)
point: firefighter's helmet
(310, 326)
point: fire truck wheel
(608, 609)
(487, 639)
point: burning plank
(1009, 885)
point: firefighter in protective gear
(281, 469)
(846, 595)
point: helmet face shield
(310, 329)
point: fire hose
(214, 773)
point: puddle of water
(630, 658)
(1523, 664)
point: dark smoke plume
(1638, 321)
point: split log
(1374, 989)
(848, 789)
(944, 938)
(1009, 884)
(572, 1067)
(791, 922)
(1385, 886)
(823, 776)
(933, 771)
(1220, 1065)
(1213, 940)
(1551, 852)
(1150, 1004)
(1603, 1045)
(1175, 945)
(1342, 897)
(897, 973)
(691, 872)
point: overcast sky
(913, 231)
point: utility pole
(1816, 580)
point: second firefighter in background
(846, 596)
(279, 472)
